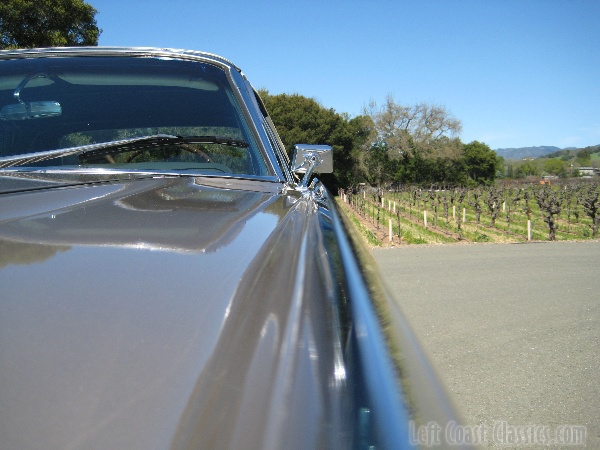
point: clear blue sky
(515, 72)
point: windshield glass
(56, 103)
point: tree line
(388, 144)
(562, 164)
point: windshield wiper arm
(231, 142)
(156, 140)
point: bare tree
(426, 128)
(460, 198)
(474, 200)
(591, 205)
(526, 195)
(493, 199)
(511, 200)
(568, 195)
(433, 198)
(550, 204)
(413, 199)
(443, 197)
(461, 192)
(378, 198)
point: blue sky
(515, 72)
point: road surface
(513, 330)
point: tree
(474, 199)
(591, 205)
(421, 142)
(555, 166)
(481, 162)
(302, 120)
(527, 168)
(584, 157)
(511, 201)
(424, 128)
(493, 201)
(550, 205)
(47, 23)
(364, 156)
(377, 166)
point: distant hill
(526, 152)
(571, 153)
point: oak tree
(481, 162)
(424, 128)
(47, 23)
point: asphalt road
(513, 330)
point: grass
(367, 234)
(413, 230)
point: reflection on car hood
(133, 314)
(169, 214)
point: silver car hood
(167, 313)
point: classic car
(171, 278)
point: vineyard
(413, 215)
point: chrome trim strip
(115, 51)
(390, 418)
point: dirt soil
(380, 233)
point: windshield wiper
(123, 145)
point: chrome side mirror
(311, 158)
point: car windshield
(181, 115)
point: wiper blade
(224, 140)
(156, 140)
(28, 158)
